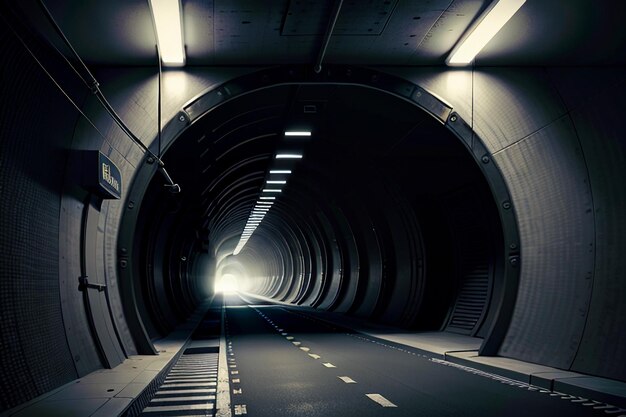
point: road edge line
(222, 402)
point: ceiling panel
(364, 17)
(561, 32)
(368, 32)
(107, 32)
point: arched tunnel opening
(318, 208)
(386, 217)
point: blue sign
(109, 177)
(100, 175)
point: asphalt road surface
(284, 362)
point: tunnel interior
(482, 203)
(386, 216)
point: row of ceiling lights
(167, 18)
(273, 185)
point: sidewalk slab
(109, 392)
(463, 350)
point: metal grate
(189, 388)
(471, 231)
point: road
(284, 362)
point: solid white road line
(347, 379)
(380, 400)
(222, 403)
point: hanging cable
(51, 77)
(159, 99)
(94, 86)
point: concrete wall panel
(601, 133)
(512, 103)
(547, 177)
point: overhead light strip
(494, 19)
(260, 209)
(169, 31)
(297, 133)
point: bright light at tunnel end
(227, 283)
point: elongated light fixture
(300, 133)
(280, 171)
(288, 156)
(169, 31)
(494, 19)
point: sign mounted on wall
(101, 175)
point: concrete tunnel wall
(554, 133)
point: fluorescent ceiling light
(271, 190)
(277, 182)
(267, 198)
(169, 32)
(288, 156)
(280, 171)
(296, 133)
(265, 203)
(491, 24)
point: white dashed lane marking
(306, 349)
(329, 365)
(380, 400)
(314, 356)
(347, 379)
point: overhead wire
(94, 86)
(51, 77)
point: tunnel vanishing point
(309, 201)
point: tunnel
(316, 211)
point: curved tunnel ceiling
(386, 216)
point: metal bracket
(83, 284)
